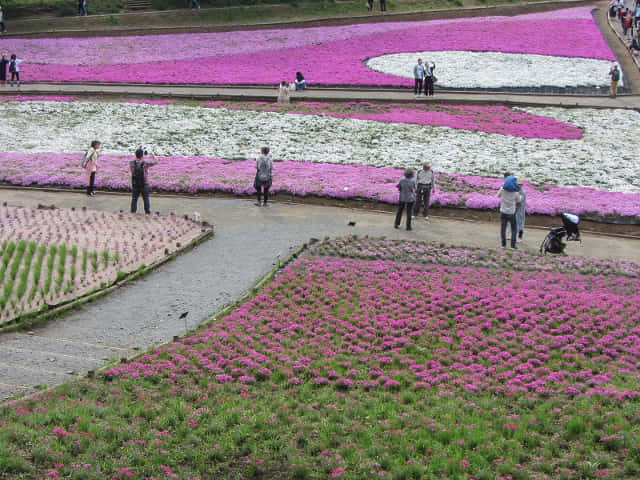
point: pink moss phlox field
(392, 325)
(204, 174)
(332, 59)
(478, 118)
(367, 248)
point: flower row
(204, 174)
(390, 325)
(327, 55)
(602, 158)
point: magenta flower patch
(390, 325)
(329, 56)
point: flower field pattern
(600, 159)
(49, 256)
(390, 325)
(302, 179)
(229, 57)
(460, 363)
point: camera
(145, 152)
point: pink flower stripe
(151, 48)
(203, 174)
(340, 61)
(477, 118)
(390, 326)
(35, 98)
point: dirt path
(247, 242)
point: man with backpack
(139, 169)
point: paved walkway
(247, 242)
(323, 94)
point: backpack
(263, 170)
(615, 75)
(12, 66)
(138, 175)
(85, 159)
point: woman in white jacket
(509, 196)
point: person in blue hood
(509, 196)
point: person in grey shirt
(407, 189)
(426, 184)
(509, 195)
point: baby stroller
(553, 241)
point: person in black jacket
(3, 69)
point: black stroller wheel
(545, 245)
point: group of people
(416, 192)
(138, 168)
(284, 89)
(423, 74)
(383, 5)
(628, 18)
(139, 171)
(13, 64)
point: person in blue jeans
(509, 195)
(139, 170)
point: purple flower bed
(329, 56)
(477, 118)
(203, 174)
(391, 326)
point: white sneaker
(413, 216)
(426, 217)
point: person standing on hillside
(426, 184)
(264, 171)
(614, 73)
(3, 69)
(3, 29)
(91, 166)
(14, 68)
(429, 79)
(139, 169)
(407, 189)
(418, 76)
(509, 196)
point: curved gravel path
(247, 242)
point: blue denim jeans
(511, 220)
(145, 199)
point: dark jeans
(511, 220)
(423, 196)
(401, 207)
(3, 27)
(417, 89)
(383, 5)
(428, 86)
(266, 193)
(92, 180)
(145, 199)
(15, 76)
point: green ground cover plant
(356, 363)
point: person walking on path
(521, 211)
(407, 188)
(614, 73)
(283, 93)
(139, 169)
(264, 170)
(14, 68)
(509, 197)
(82, 8)
(3, 69)
(3, 29)
(429, 79)
(91, 166)
(426, 184)
(418, 76)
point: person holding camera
(139, 169)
